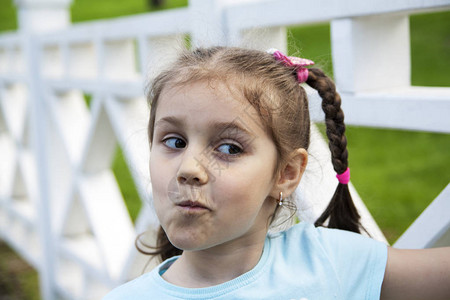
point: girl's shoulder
(335, 248)
(142, 287)
(335, 254)
(308, 234)
(133, 289)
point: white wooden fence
(60, 205)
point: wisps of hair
(341, 212)
(163, 249)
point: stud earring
(280, 201)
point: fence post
(208, 23)
(35, 17)
(371, 53)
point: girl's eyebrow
(226, 127)
(170, 120)
(218, 127)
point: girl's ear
(291, 173)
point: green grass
(84, 10)
(8, 16)
(430, 49)
(18, 281)
(398, 173)
(126, 184)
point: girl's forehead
(202, 95)
(208, 101)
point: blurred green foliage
(126, 184)
(430, 49)
(398, 173)
(8, 16)
(18, 281)
(84, 10)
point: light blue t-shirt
(301, 263)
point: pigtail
(164, 249)
(341, 211)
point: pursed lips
(191, 204)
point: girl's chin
(187, 242)
(188, 245)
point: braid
(341, 210)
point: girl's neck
(205, 268)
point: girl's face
(212, 167)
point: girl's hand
(417, 274)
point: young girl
(229, 132)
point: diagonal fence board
(431, 228)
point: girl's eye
(175, 143)
(229, 149)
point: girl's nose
(192, 171)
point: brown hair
(273, 91)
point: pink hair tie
(291, 61)
(344, 178)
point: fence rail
(60, 204)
